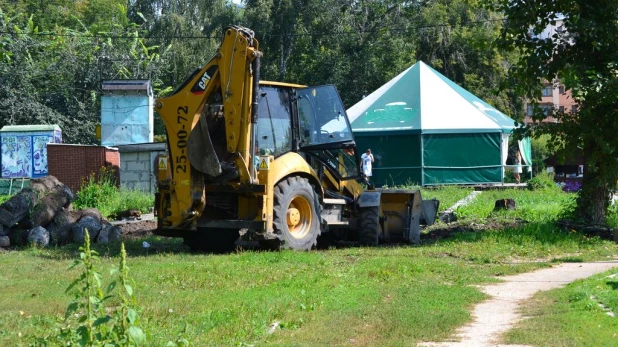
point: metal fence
(9, 186)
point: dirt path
(500, 312)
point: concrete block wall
(137, 169)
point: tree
(53, 76)
(582, 55)
(457, 38)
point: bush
(542, 180)
(96, 190)
(100, 191)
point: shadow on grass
(147, 246)
(506, 231)
(612, 284)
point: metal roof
(142, 147)
(34, 127)
(126, 85)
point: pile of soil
(137, 229)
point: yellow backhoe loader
(275, 160)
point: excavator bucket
(201, 150)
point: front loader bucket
(400, 213)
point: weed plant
(94, 318)
(100, 191)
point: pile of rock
(43, 214)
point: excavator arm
(209, 121)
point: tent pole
(502, 156)
(422, 161)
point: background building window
(561, 89)
(547, 110)
(561, 109)
(574, 108)
(547, 91)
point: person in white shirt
(366, 160)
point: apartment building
(553, 97)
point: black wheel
(213, 241)
(296, 218)
(369, 226)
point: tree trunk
(593, 199)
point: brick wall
(71, 164)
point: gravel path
(500, 312)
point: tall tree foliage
(355, 45)
(52, 75)
(457, 38)
(583, 56)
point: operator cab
(309, 120)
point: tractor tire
(296, 214)
(221, 241)
(369, 226)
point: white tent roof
(434, 103)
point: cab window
(274, 127)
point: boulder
(59, 235)
(38, 236)
(18, 236)
(60, 227)
(44, 212)
(44, 184)
(92, 212)
(5, 241)
(85, 223)
(109, 234)
(18, 207)
(36, 205)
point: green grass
(387, 296)
(571, 316)
(4, 198)
(532, 206)
(447, 195)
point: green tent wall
(424, 129)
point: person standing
(366, 161)
(517, 169)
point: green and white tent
(424, 129)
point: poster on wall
(39, 154)
(16, 156)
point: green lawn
(387, 296)
(576, 315)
